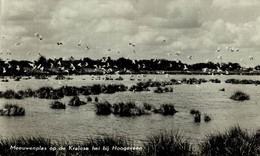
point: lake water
(75, 124)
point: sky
(157, 28)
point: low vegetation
(103, 108)
(166, 109)
(167, 144)
(207, 118)
(12, 110)
(57, 105)
(235, 141)
(240, 96)
(75, 101)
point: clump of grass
(89, 99)
(196, 114)
(9, 94)
(167, 144)
(113, 143)
(166, 109)
(140, 86)
(240, 96)
(12, 110)
(130, 109)
(163, 90)
(103, 108)
(75, 101)
(57, 105)
(147, 106)
(96, 99)
(194, 111)
(207, 118)
(197, 117)
(158, 90)
(233, 142)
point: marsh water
(75, 124)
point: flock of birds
(106, 68)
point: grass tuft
(12, 110)
(240, 96)
(103, 108)
(233, 142)
(167, 144)
(57, 105)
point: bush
(167, 144)
(57, 105)
(239, 96)
(233, 142)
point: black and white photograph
(130, 77)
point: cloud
(198, 26)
